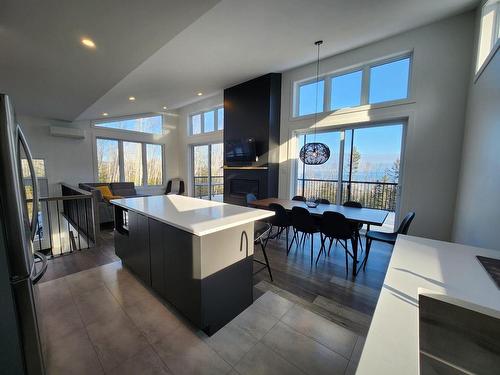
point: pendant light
(315, 153)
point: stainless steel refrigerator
(20, 267)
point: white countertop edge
(257, 214)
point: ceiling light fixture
(164, 107)
(131, 98)
(87, 42)
(315, 153)
(200, 94)
(105, 114)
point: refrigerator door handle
(37, 276)
(34, 217)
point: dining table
(368, 216)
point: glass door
(208, 176)
(369, 160)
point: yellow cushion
(105, 191)
(109, 197)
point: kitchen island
(196, 254)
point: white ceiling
(203, 47)
(48, 73)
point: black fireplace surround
(252, 110)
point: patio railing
(201, 186)
(371, 194)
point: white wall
(73, 160)
(435, 113)
(477, 216)
(186, 140)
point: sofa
(105, 209)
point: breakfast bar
(196, 254)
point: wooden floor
(324, 289)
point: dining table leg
(355, 243)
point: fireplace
(242, 187)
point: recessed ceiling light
(164, 107)
(105, 113)
(131, 98)
(88, 42)
(200, 94)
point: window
(38, 164)
(132, 162)
(154, 164)
(307, 97)
(137, 162)
(108, 169)
(208, 175)
(207, 121)
(372, 83)
(150, 124)
(389, 81)
(346, 90)
(489, 33)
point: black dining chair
(322, 201)
(250, 198)
(303, 222)
(299, 198)
(389, 238)
(261, 233)
(335, 226)
(281, 220)
(355, 204)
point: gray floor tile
(304, 352)
(262, 360)
(146, 362)
(255, 321)
(275, 305)
(358, 349)
(54, 295)
(128, 292)
(153, 319)
(116, 340)
(333, 336)
(84, 281)
(62, 322)
(231, 342)
(351, 368)
(97, 304)
(74, 355)
(185, 353)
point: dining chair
(335, 226)
(261, 232)
(322, 201)
(299, 198)
(280, 220)
(389, 238)
(355, 204)
(303, 222)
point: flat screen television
(241, 151)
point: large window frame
(97, 124)
(121, 160)
(218, 127)
(483, 57)
(365, 68)
(192, 176)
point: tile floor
(104, 321)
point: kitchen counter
(196, 216)
(392, 344)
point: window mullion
(202, 125)
(121, 161)
(144, 165)
(365, 85)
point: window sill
(361, 108)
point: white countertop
(392, 343)
(197, 216)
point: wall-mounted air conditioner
(67, 132)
